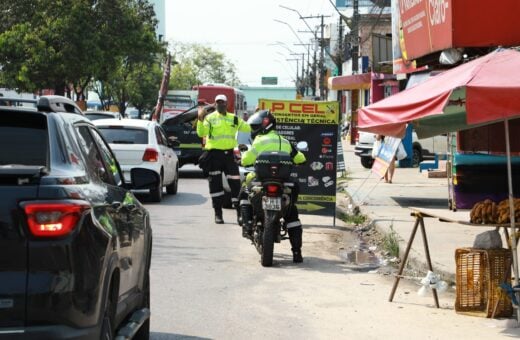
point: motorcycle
(271, 194)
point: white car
(142, 144)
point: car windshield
(23, 139)
(124, 135)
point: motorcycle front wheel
(268, 238)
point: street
(207, 283)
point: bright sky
(244, 31)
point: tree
(138, 51)
(197, 64)
(48, 44)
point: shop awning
(352, 82)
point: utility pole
(355, 37)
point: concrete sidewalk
(387, 205)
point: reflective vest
(271, 142)
(220, 130)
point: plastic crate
(479, 275)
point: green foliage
(198, 64)
(57, 43)
(390, 242)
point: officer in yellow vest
(220, 129)
(265, 139)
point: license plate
(272, 203)
(178, 152)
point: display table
(443, 215)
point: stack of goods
(489, 212)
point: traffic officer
(220, 129)
(265, 139)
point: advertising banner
(425, 27)
(384, 156)
(317, 123)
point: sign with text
(425, 27)
(269, 80)
(315, 122)
(384, 155)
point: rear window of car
(95, 116)
(23, 138)
(124, 135)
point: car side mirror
(173, 142)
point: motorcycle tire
(268, 239)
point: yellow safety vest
(220, 130)
(271, 142)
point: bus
(236, 98)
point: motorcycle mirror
(302, 146)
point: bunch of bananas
(488, 212)
(503, 211)
(485, 212)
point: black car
(182, 129)
(75, 243)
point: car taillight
(357, 136)
(53, 219)
(151, 155)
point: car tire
(172, 188)
(156, 193)
(367, 162)
(144, 331)
(108, 327)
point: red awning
(492, 85)
(353, 82)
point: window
(23, 139)
(109, 158)
(94, 159)
(124, 135)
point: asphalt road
(207, 283)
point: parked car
(181, 127)
(143, 144)
(76, 244)
(423, 149)
(95, 115)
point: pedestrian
(378, 144)
(220, 129)
(265, 139)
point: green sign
(269, 80)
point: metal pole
(512, 213)
(322, 75)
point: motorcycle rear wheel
(268, 239)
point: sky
(247, 33)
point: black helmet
(261, 122)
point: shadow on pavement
(421, 202)
(313, 263)
(168, 336)
(180, 199)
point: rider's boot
(295, 237)
(247, 220)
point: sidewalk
(387, 205)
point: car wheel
(172, 188)
(144, 331)
(107, 329)
(416, 157)
(367, 162)
(156, 193)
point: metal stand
(419, 221)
